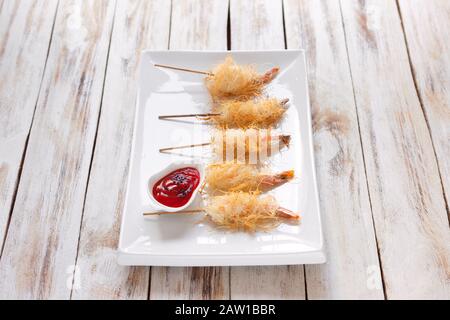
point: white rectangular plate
(187, 240)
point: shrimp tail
(285, 175)
(285, 140)
(269, 75)
(287, 214)
(284, 102)
(272, 181)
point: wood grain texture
(138, 25)
(267, 282)
(406, 193)
(199, 25)
(40, 247)
(25, 32)
(427, 25)
(206, 283)
(259, 25)
(256, 25)
(352, 269)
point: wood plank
(199, 25)
(41, 244)
(138, 25)
(25, 33)
(352, 269)
(256, 25)
(426, 25)
(267, 282)
(406, 193)
(207, 283)
(259, 25)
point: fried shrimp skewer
(249, 146)
(247, 211)
(229, 79)
(262, 113)
(238, 211)
(230, 176)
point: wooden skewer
(184, 69)
(185, 146)
(165, 212)
(281, 213)
(285, 139)
(189, 115)
(282, 102)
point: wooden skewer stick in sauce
(176, 189)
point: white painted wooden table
(380, 90)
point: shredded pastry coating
(243, 211)
(230, 177)
(261, 113)
(229, 79)
(249, 146)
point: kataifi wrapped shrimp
(231, 177)
(247, 211)
(261, 113)
(229, 79)
(251, 146)
(248, 146)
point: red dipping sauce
(175, 189)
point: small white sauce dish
(170, 168)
